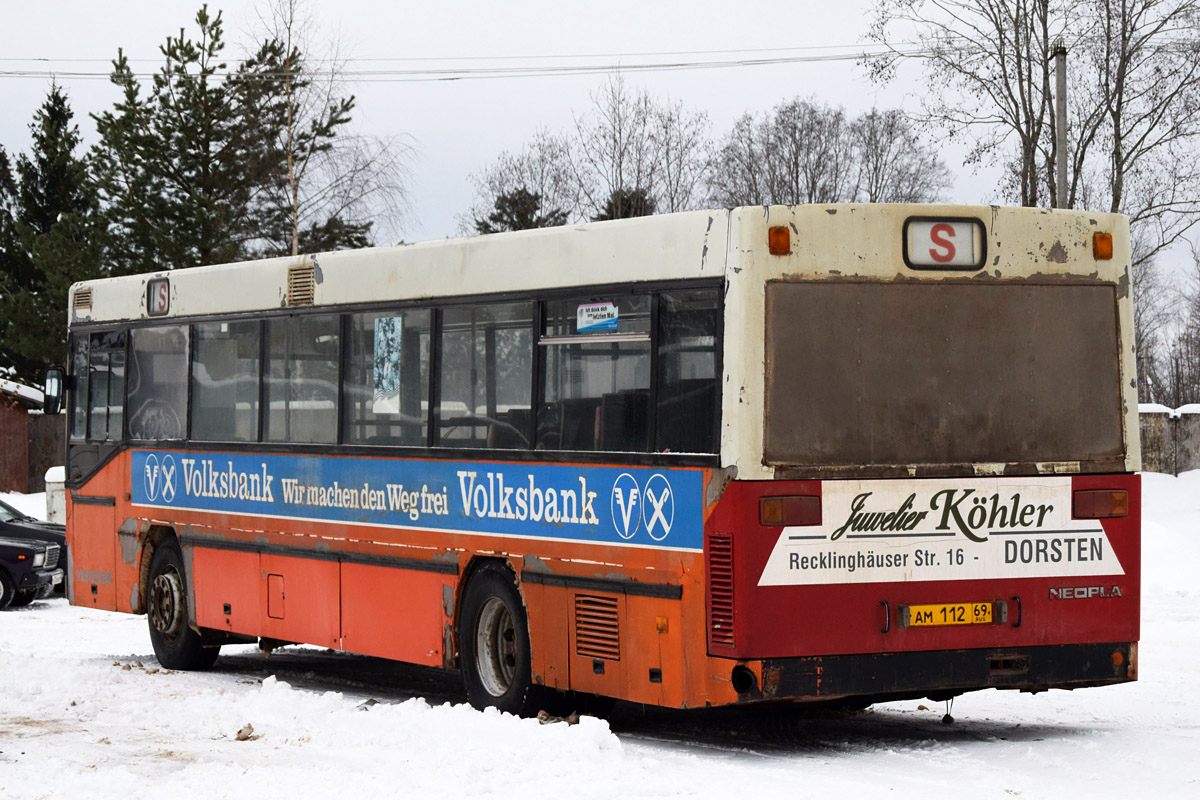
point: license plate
(946, 614)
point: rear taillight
(775, 512)
(1100, 503)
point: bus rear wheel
(176, 644)
(494, 644)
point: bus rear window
(866, 376)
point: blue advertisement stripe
(641, 507)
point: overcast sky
(458, 127)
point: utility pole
(1060, 103)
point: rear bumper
(944, 673)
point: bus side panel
(546, 609)
(393, 613)
(599, 651)
(225, 579)
(97, 569)
(654, 633)
(300, 597)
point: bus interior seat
(510, 431)
(622, 423)
(578, 428)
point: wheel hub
(166, 604)
(496, 647)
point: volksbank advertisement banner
(650, 507)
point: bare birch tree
(542, 168)
(987, 65)
(1134, 101)
(628, 152)
(339, 184)
(805, 152)
(894, 165)
(613, 149)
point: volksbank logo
(160, 478)
(652, 504)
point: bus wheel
(176, 645)
(494, 644)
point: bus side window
(104, 387)
(595, 355)
(386, 378)
(486, 375)
(158, 383)
(225, 376)
(688, 384)
(79, 387)
(302, 379)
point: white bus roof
(827, 241)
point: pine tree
(520, 210)
(48, 240)
(184, 170)
(626, 203)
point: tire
(7, 590)
(176, 644)
(494, 644)
(23, 598)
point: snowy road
(85, 711)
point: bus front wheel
(494, 644)
(176, 644)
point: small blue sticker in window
(596, 318)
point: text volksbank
(639, 506)
(207, 480)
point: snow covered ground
(84, 711)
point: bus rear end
(939, 495)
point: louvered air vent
(597, 630)
(82, 301)
(720, 588)
(302, 285)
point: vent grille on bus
(597, 630)
(720, 588)
(82, 301)
(302, 285)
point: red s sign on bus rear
(158, 297)
(944, 243)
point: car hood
(34, 529)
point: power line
(507, 57)
(460, 73)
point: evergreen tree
(184, 170)
(519, 210)
(626, 203)
(48, 240)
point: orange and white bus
(816, 453)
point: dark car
(15, 525)
(28, 570)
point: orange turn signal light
(779, 241)
(1100, 504)
(1102, 246)
(775, 512)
